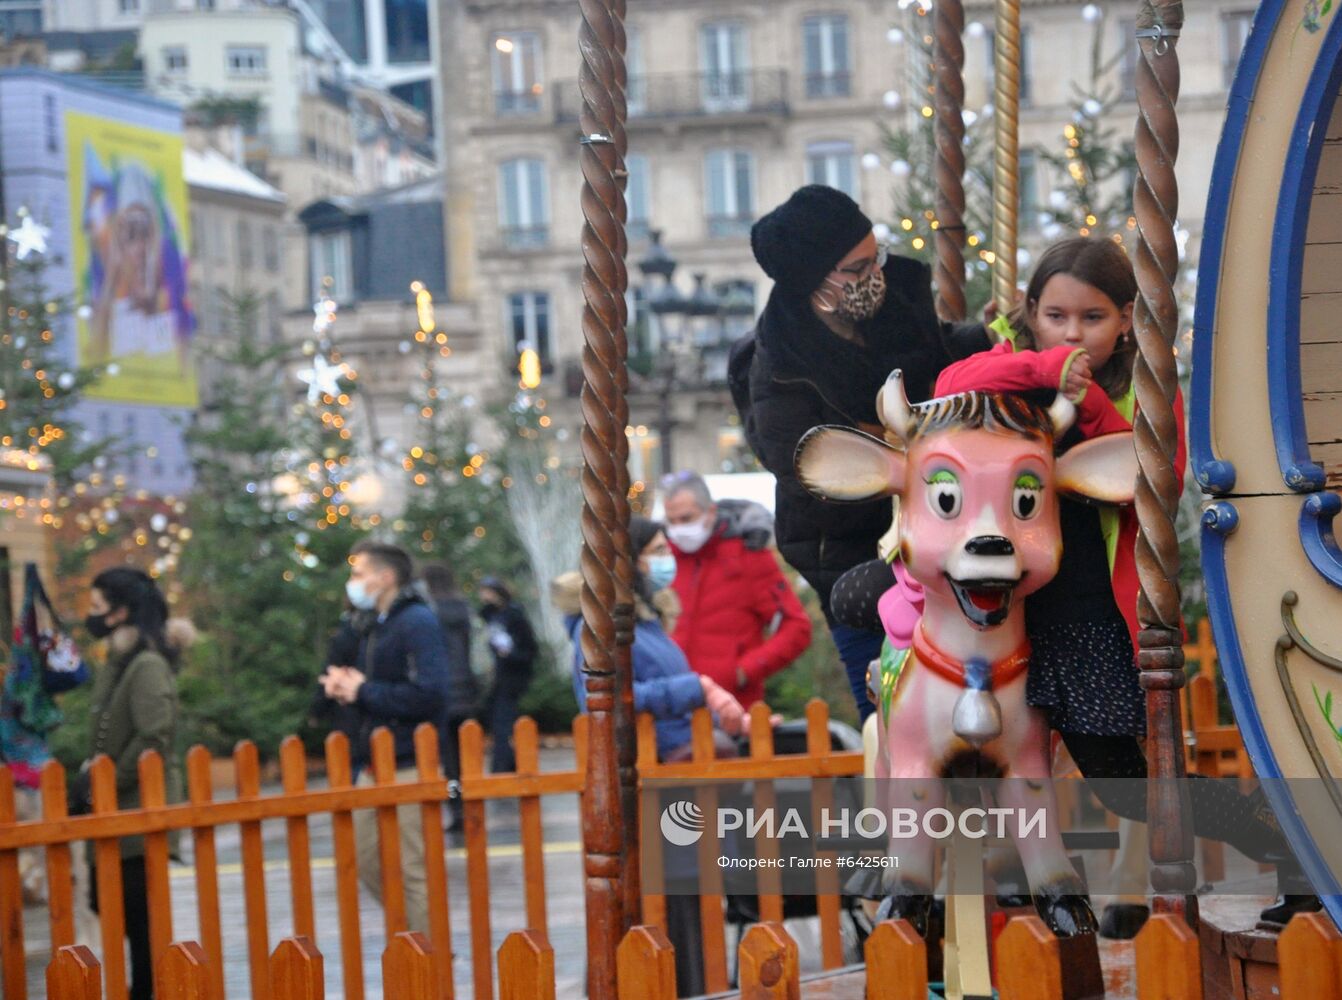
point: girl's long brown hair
(1102, 264)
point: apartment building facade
(732, 106)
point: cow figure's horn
(1062, 413)
(893, 405)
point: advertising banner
(129, 239)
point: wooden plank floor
(1116, 957)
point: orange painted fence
(1166, 957)
(199, 817)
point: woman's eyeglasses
(862, 270)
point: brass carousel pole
(948, 59)
(606, 606)
(1006, 126)
(1155, 377)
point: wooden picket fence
(200, 816)
(1214, 746)
(1166, 956)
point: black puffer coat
(803, 376)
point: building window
(49, 126)
(529, 322)
(516, 56)
(271, 249)
(128, 6)
(244, 245)
(832, 164)
(825, 46)
(174, 59)
(246, 60)
(1027, 193)
(636, 86)
(724, 55)
(1026, 77)
(731, 192)
(1127, 60)
(637, 197)
(1234, 33)
(524, 212)
(332, 269)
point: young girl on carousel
(1072, 333)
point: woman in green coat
(135, 709)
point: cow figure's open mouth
(986, 602)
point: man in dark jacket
(840, 318)
(463, 691)
(399, 679)
(513, 644)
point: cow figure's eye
(1027, 496)
(944, 495)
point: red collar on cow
(1004, 671)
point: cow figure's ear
(839, 463)
(1103, 469)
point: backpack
(739, 360)
(43, 662)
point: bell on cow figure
(977, 717)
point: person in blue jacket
(664, 684)
(398, 679)
(665, 687)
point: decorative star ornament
(324, 314)
(30, 237)
(323, 378)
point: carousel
(1263, 422)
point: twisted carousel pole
(606, 594)
(948, 59)
(1156, 434)
(1006, 126)
(626, 742)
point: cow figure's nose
(990, 545)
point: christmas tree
(272, 525)
(39, 381)
(455, 511)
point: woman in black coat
(841, 317)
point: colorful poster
(128, 236)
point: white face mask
(358, 595)
(690, 537)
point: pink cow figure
(978, 529)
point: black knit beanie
(801, 240)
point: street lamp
(674, 343)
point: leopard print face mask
(860, 300)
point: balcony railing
(690, 95)
(517, 102)
(822, 85)
(525, 237)
(723, 226)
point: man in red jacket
(740, 621)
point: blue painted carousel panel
(1214, 475)
(1266, 420)
(1275, 623)
(1293, 270)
